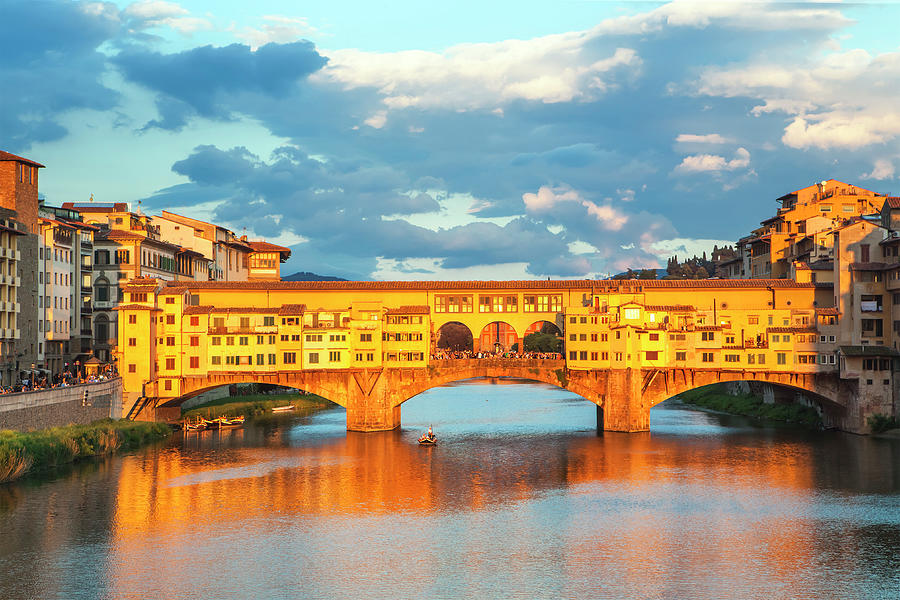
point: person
(430, 432)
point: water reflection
(520, 498)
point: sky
(463, 140)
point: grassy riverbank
(22, 453)
(715, 397)
(255, 405)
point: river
(520, 499)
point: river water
(520, 499)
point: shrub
(880, 423)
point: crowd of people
(447, 354)
(31, 381)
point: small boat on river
(224, 422)
(428, 438)
(281, 409)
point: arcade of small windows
(498, 304)
(401, 337)
(543, 303)
(453, 304)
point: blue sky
(458, 141)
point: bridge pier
(624, 408)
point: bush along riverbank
(22, 453)
(256, 405)
(716, 397)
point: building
(19, 237)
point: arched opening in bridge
(257, 398)
(454, 337)
(543, 336)
(498, 337)
(767, 401)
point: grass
(714, 397)
(255, 405)
(22, 453)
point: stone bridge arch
(828, 392)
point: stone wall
(78, 404)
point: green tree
(542, 342)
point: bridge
(371, 346)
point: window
(572, 337)
(170, 364)
(170, 341)
(229, 341)
(781, 358)
(365, 337)
(216, 341)
(573, 355)
(453, 304)
(132, 341)
(195, 321)
(132, 319)
(290, 358)
(632, 313)
(260, 359)
(195, 340)
(652, 355)
(751, 359)
(593, 356)
(753, 320)
(272, 358)
(132, 368)
(313, 358)
(732, 358)
(168, 384)
(654, 337)
(268, 321)
(707, 357)
(708, 336)
(170, 319)
(681, 356)
(244, 340)
(195, 362)
(170, 300)
(334, 356)
(216, 360)
(582, 337)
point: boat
(280, 409)
(230, 422)
(195, 426)
(428, 438)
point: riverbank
(715, 397)
(22, 453)
(256, 405)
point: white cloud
(546, 200)
(711, 138)
(146, 14)
(701, 163)
(883, 169)
(277, 29)
(555, 68)
(851, 130)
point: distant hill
(304, 276)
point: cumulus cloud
(547, 200)
(550, 69)
(278, 29)
(147, 14)
(206, 79)
(883, 169)
(705, 163)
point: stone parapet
(77, 404)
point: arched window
(101, 290)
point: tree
(456, 337)
(542, 342)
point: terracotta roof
(262, 246)
(708, 328)
(136, 307)
(118, 234)
(292, 309)
(409, 310)
(868, 351)
(892, 202)
(539, 284)
(11, 230)
(798, 329)
(6, 156)
(828, 312)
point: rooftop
(7, 156)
